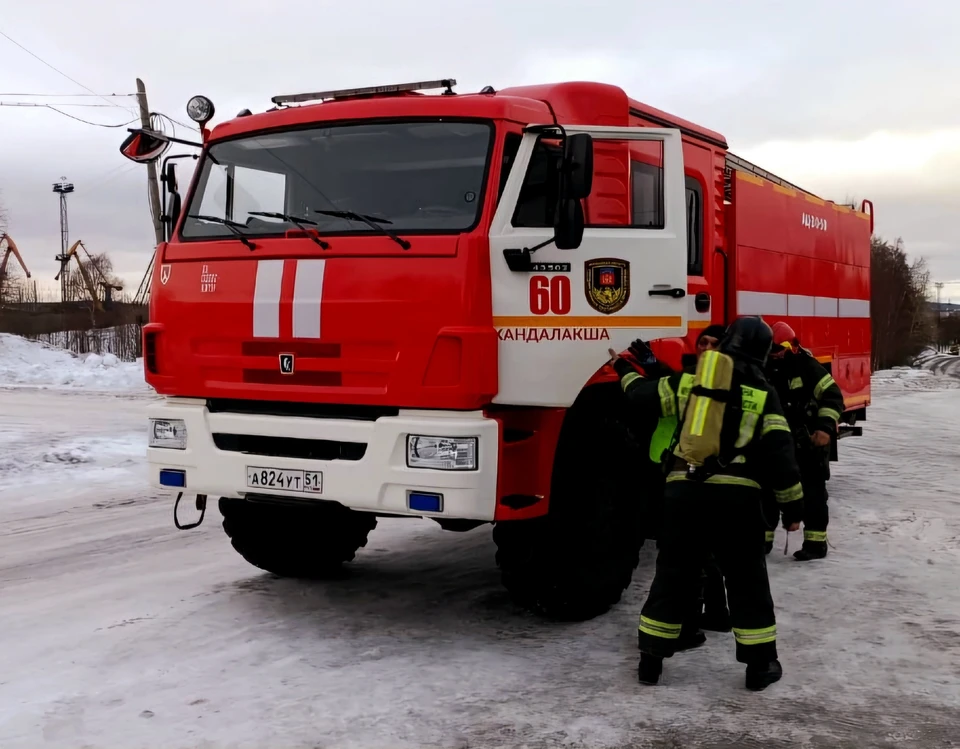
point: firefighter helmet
(783, 335)
(748, 338)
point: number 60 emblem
(550, 294)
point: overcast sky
(856, 98)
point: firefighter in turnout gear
(710, 610)
(813, 404)
(733, 438)
(715, 615)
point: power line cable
(73, 117)
(57, 104)
(57, 70)
(73, 80)
(107, 177)
(70, 96)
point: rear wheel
(575, 563)
(293, 540)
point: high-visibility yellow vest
(672, 404)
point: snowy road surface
(119, 631)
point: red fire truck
(385, 303)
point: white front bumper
(379, 482)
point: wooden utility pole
(939, 286)
(152, 185)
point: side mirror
(568, 230)
(173, 203)
(173, 213)
(171, 176)
(144, 146)
(577, 169)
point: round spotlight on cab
(200, 109)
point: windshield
(407, 177)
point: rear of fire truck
(335, 316)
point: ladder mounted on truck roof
(738, 164)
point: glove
(655, 370)
(623, 367)
(792, 512)
(642, 353)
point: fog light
(442, 453)
(168, 433)
(425, 502)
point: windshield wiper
(233, 226)
(300, 223)
(372, 221)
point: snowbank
(25, 362)
(907, 379)
(931, 371)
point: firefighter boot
(811, 550)
(650, 668)
(762, 675)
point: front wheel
(295, 540)
(574, 563)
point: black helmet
(748, 338)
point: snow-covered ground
(29, 363)
(116, 630)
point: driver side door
(627, 279)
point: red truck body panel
(797, 258)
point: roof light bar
(447, 83)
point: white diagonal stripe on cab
(307, 298)
(266, 299)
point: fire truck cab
(383, 303)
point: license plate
(285, 479)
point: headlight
(442, 453)
(169, 433)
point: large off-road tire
(290, 540)
(574, 563)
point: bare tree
(98, 269)
(901, 320)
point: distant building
(945, 308)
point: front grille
(305, 410)
(312, 379)
(301, 349)
(289, 447)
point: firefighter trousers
(726, 521)
(714, 591)
(771, 514)
(816, 516)
(814, 471)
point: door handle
(673, 293)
